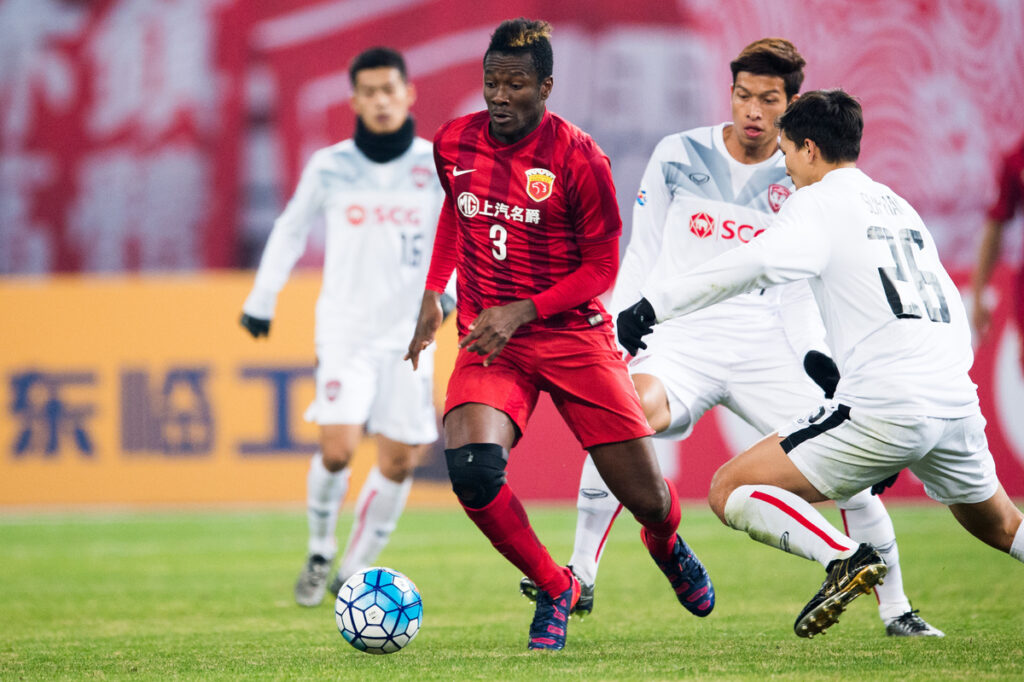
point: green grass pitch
(207, 595)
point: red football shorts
(582, 371)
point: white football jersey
(380, 220)
(695, 202)
(895, 321)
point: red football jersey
(520, 213)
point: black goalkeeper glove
(256, 326)
(447, 306)
(633, 324)
(822, 369)
(879, 488)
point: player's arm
(988, 256)
(801, 322)
(991, 242)
(645, 240)
(284, 247)
(439, 275)
(795, 248)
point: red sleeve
(1010, 182)
(442, 260)
(593, 277)
(596, 209)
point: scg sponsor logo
(702, 225)
(383, 215)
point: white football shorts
(754, 372)
(841, 451)
(375, 387)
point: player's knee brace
(477, 472)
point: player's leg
(865, 519)
(996, 522)
(631, 470)
(764, 389)
(766, 491)
(677, 380)
(486, 410)
(379, 505)
(345, 387)
(326, 487)
(959, 472)
(596, 506)
(403, 421)
(590, 387)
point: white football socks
(786, 521)
(378, 509)
(324, 493)
(866, 520)
(596, 509)
(1017, 548)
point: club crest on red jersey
(539, 182)
(776, 195)
(702, 225)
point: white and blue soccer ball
(378, 610)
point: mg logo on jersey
(702, 225)
(469, 205)
(776, 195)
(539, 183)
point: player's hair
(375, 58)
(525, 36)
(832, 118)
(772, 57)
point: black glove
(823, 370)
(633, 324)
(255, 325)
(447, 306)
(879, 488)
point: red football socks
(506, 525)
(660, 538)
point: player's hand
(427, 324)
(493, 327)
(257, 326)
(981, 318)
(633, 324)
(822, 369)
(880, 487)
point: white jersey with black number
(380, 220)
(695, 202)
(895, 320)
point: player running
(707, 191)
(530, 222)
(380, 200)
(899, 332)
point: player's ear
(410, 96)
(792, 99)
(545, 87)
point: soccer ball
(378, 610)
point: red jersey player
(1011, 194)
(531, 224)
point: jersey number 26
(927, 291)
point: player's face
(757, 100)
(798, 162)
(515, 98)
(381, 98)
